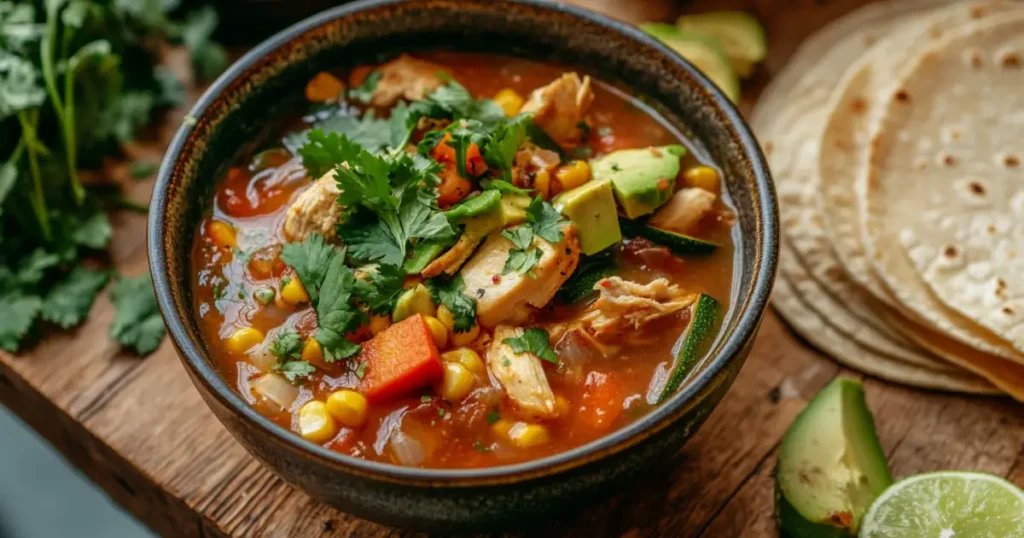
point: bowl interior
(234, 112)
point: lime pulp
(947, 504)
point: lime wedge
(947, 504)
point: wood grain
(140, 430)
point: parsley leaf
(137, 324)
(336, 315)
(286, 345)
(294, 371)
(534, 340)
(310, 260)
(69, 301)
(363, 93)
(545, 220)
(449, 292)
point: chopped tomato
(453, 187)
(244, 195)
(445, 154)
(601, 403)
(400, 360)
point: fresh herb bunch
(78, 78)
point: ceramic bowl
(232, 112)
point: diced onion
(406, 450)
(260, 356)
(276, 389)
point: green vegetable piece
(742, 37)
(591, 207)
(590, 271)
(698, 337)
(680, 244)
(831, 465)
(705, 53)
(422, 255)
(264, 295)
(488, 201)
(513, 208)
(643, 179)
(534, 340)
(412, 301)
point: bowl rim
(731, 347)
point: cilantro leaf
(369, 240)
(522, 261)
(137, 324)
(449, 292)
(500, 150)
(521, 237)
(363, 93)
(503, 186)
(310, 260)
(294, 371)
(373, 134)
(94, 232)
(380, 291)
(208, 58)
(287, 344)
(336, 316)
(545, 220)
(17, 316)
(69, 301)
(453, 101)
(143, 169)
(534, 340)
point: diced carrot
(400, 360)
(324, 87)
(601, 403)
(453, 187)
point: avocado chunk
(699, 336)
(591, 207)
(643, 179)
(486, 202)
(680, 244)
(739, 33)
(415, 300)
(831, 465)
(705, 53)
(513, 207)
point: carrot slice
(324, 87)
(601, 403)
(400, 360)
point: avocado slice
(705, 53)
(740, 34)
(699, 336)
(643, 179)
(488, 201)
(591, 207)
(422, 254)
(513, 208)
(415, 300)
(831, 465)
(680, 244)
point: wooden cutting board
(140, 430)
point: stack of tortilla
(896, 139)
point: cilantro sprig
(534, 340)
(525, 256)
(287, 349)
(450, 292)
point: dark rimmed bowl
(231, 114)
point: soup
(462, 260)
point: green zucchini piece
(580, 285)
(422, 254)
(705, 53)
(486, 202)
(831, 465)
(742, 37)
(680, 244)
(699, 336)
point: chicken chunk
(684, 210)
(453, 258)
(316, 210)
(625, 306)
(560, 108)
(407, 78)
(521, 375)
(512, 298)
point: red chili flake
(662, 184)
(496, 279)
(606, 283)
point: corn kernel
(466, 337)
(525, 435)
(348, 407)
(457, 383)
(573, 174)
(702, 177)
(378, 323)
(313, 353)
(222, 234)
(510, 101)
(294, 293)
(316, 424)
(437, 329)
(501, 427)
(243, 340)
(561, 405)
(542, 183)
(466, 357)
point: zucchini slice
(699, 335)
(680, 244)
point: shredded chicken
(529, 161)
(560, 108)
(684, 210)
(625, 306)
(521, 375)
(407, 78)
(512, 298)
(316, 210)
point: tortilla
(943, 212)
(823, 336)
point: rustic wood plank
(140, 430)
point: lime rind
(947, 504)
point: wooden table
(140, 430)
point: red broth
(237, 249)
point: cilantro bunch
(77, 79)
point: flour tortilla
(944, 205)
(823, 336)
(851, 113)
